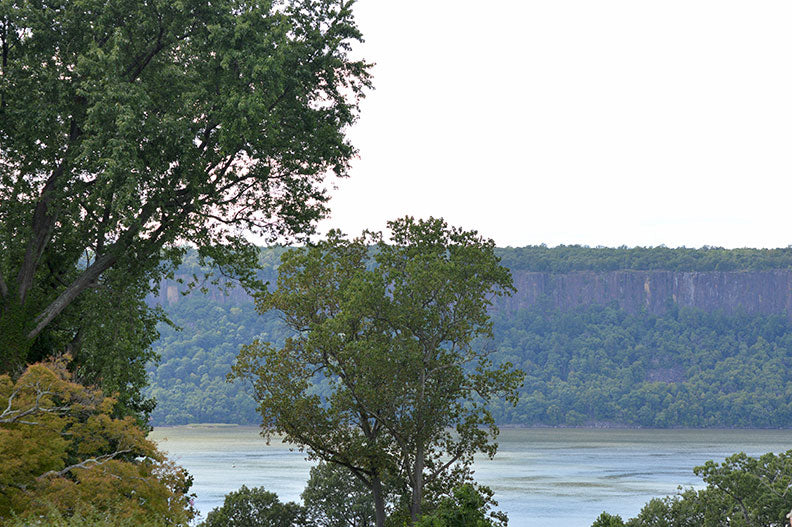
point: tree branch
(9, 416)
(43, 225)
(88, 277)
(86, 464)
(443, 467)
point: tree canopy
(62, 450)
(128, 127)
(388, 328)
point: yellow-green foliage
(65, 456)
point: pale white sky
(600, 122)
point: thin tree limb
(10, 416)
(87, 463)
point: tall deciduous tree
(439, 282)
(390, 327)
(325, 295)
(127, 127)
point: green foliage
(390, 331)
(742, 491)
(608, 520)
(591, 366)
(335, 497)
(255, 508)
(467, 507)
(189, 383)
(128, 129)
(65, 455)
(86, 518)
(687, 368)
(567, 258)
(595, 365)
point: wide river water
(541, 477)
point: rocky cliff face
(752, 292)
(170, 293)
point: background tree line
(567, 258)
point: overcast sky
(599, 122)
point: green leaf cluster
(467, 506)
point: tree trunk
(417, 480)
(14, 344)
(379, 500)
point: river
(541, 477)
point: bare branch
(10, 416)
(86, 464)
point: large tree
(128, 127)
(440, 281)
(324, 295)
(387, 330)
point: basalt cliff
(750, 292)
(654, 291)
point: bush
(467, 507)
(255, 508)
(743, 491)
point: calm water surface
(541, 477)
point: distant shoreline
(597, 426)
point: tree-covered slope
(190, 384)
(591, 365)
(600, 365)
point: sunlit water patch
(541, 477)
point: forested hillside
(596, 365)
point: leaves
(741, 491)
(388, 328)
(66, 452)
(130, 128)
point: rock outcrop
(750, 292)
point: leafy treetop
(127, 127)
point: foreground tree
(255, 507)
(743, 491)
(439, 282)
(63, 452)
(127, 127)
(334, 497)
(390, 329)
(323, 294)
